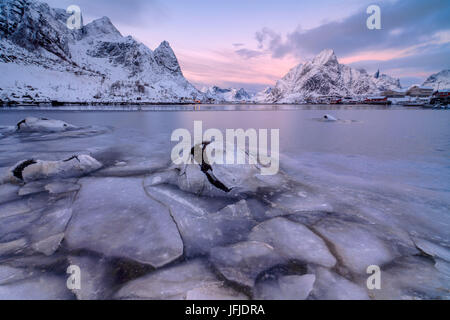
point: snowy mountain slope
(42, 60)
(385, 82)
(440, 80)
(233, 95)
(325, 76)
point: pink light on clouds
(385, 55)
(373, 55)
(222, 67)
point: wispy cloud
(227, 68)
(415, 35)
(405, 23)
(248, 53)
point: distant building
(394, 94)
(419, 91)
(377, 100)
(441, 96)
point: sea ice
(62, 186)
(115, 217)
(38, 261)
(8, 192)
(293, 241)
(9, 274)
(412, 277)
(178, 282)
(356, 246)
(205, 223)
(124, 169)
(36, 230)
(331, 286)
(298, 199)
(433, 249)
(32, 187)
(215, 291)
(39, 286)
(244, 261)
(97, 278)
(291, 287)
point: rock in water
(32, 170)
(285, 288)
(328, 117)
(244, 261)
(204, 176)
(184, 281)
(32, 124)
(208, 177)
(293, 240)
(115, 217)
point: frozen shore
(141, 228)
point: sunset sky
(252, 43)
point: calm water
(405, 145)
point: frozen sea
(372, 188)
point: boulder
(33, 170)
(32, 124)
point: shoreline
(202, 107)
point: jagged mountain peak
(101, 27)
(323, 75)
(94, 64)
(165, 56)
(325, 57)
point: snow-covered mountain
(385, 82)
(325, 76)
(233, 95)
(440, 80)
(41, 59)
